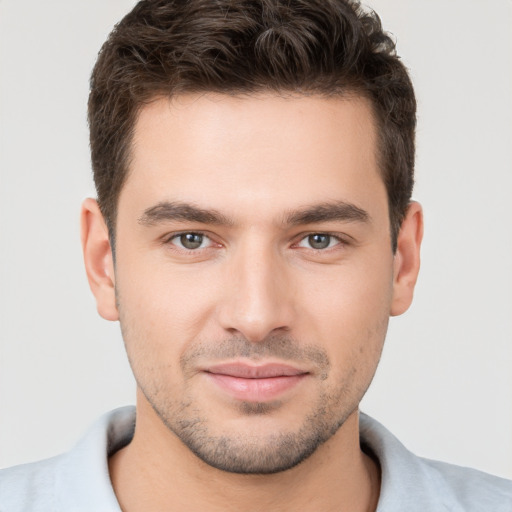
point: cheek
(160, 295)
(348, 310)
(162, 309)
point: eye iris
(191, 240)
(319, 241)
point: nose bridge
(256, 303)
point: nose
(258, 297)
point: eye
(319, 241)
(190, 241)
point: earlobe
(407, 259)
(98, 259)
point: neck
(157, 472)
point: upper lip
(249, 371)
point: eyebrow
(166, 211)
(178, 211)
(324, 212)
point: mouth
(255, 383)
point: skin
(263, 170)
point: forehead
(263, 149)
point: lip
(255, 383)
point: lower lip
(256, 390)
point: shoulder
(29, 486)
(76, 481)
(474, 489)
(416, 484)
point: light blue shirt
(78, 481)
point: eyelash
(340, 241)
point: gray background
(445, 382)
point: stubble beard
(243, 453)
(246, 452)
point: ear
(407, 259)
(99, 263)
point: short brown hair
(168, 47)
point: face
(254, 274)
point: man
(253, 233)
